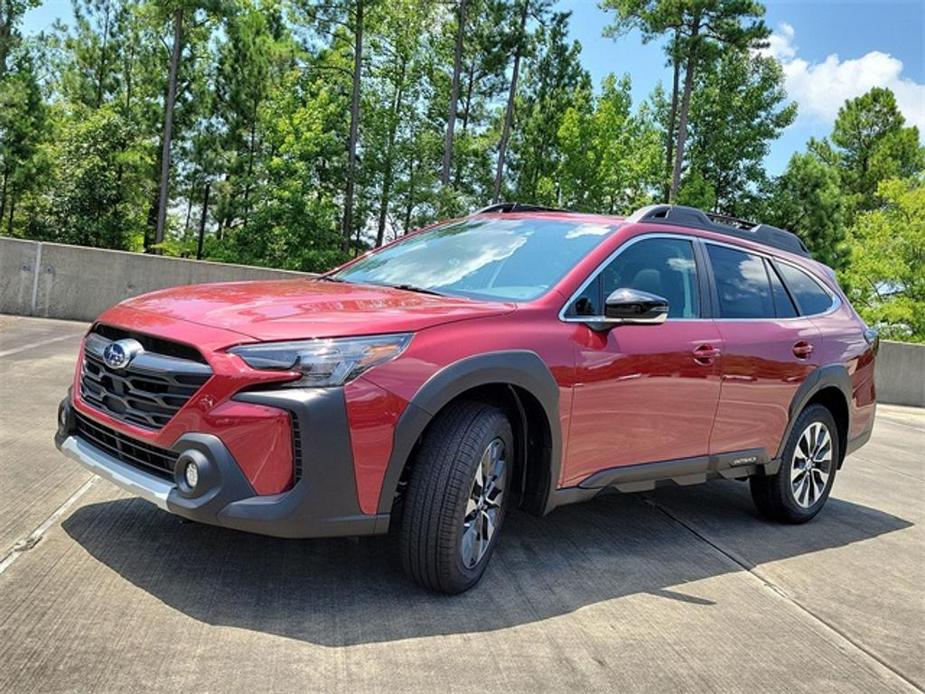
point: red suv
(517, 357)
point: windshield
(507, 259)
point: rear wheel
(456, 497)
(802, 485)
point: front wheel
(800, 488)
(456, 497)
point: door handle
(705, 354)
(802, 349)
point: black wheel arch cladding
(520, 368)
(828, 376)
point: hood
(297, 309)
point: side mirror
(636, 307)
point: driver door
(644, 393)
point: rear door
(769, 350)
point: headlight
(324, 363)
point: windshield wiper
(413, 288)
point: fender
(521, 368)
(823, 377)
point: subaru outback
(516, 358)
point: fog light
(62, 416)
(191, 475)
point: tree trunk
(6, 36)
(409, 207)
(468, 106)
(354, 127)
(457, 176)
(672, 116)
(168, 125)
(390, 146)
(685, 109)
(251, 146)
(509, 111)
(9, 224)
(6, 176)
(202, 220)
(454, 95)
(101, 70)
(128, 78)
(189, 213)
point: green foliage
(886, 277)
(873, 144)
(697, 191)
(11, 12)
(611, 158)
(22, 130)
(94, 197)
(262, 119)
(260, 127)
(739, 107)
(735, 23)
(830, 188)
(700, 32)
(808, 199)
(550, 85)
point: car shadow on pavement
(341, 592)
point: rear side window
(811, 298)
(741, 283)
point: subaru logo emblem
(119, 354)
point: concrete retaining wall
(900, 374)
(58, 281)
(53, 280)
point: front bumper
(322, 503)
(148, 487)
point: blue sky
(830, 49)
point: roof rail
(516, 207)
(721, 224)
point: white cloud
(821, 89)
(780, 43)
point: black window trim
(715, 291)
(709, 297)
(703, 283)
(775, 261)
(770, 268)
(833, 297)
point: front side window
(661, 266)
(487, 258)
(741, 283)
(809, 295)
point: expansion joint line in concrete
(26, 543)
(753, 570)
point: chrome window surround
(836, 300)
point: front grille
(143, 456)
(147, 393)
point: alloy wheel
(811, 465)
(483, 507)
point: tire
(443, 533)
(788, 496)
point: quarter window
(783, 304)
(741, 283)
(809, 295)
(661, 266)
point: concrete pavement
(677, 590)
